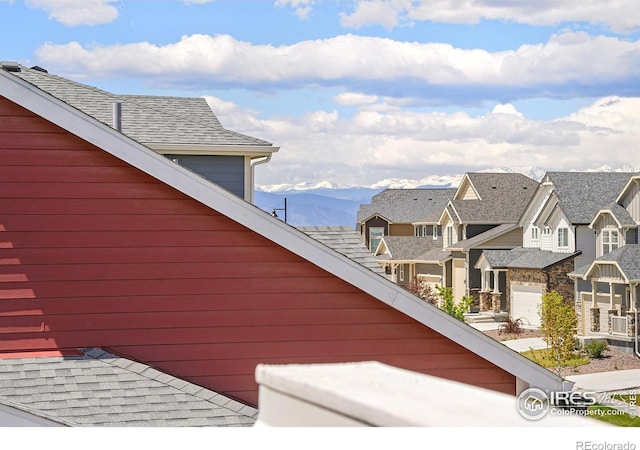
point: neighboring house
(607, 288)
(482, 215)
(347, 241)
(183, 129)
(402, 212)
(98, 389)
(558, 221)
(104, 243)
(409, 259)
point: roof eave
(255, 151)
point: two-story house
(606, 300)
(482, 215)
(556, 238)
(184, 129)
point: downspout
(265, 159)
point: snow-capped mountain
(327, 204)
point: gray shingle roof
(346, 241)
(484, 237)
(100, 389)
(525, 258)
(504, 196)
(407, 205)
(147, 119)
(583, 194)
(626, 257)
(621, 215)
(412, 248)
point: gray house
(558, 221)
(183, 129)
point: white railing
(619, 325)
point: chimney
(117, 116)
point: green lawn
(543, 357)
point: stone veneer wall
(557, 278)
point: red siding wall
(94, 252)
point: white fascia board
(634, 179)
(246, 214)
(255, 151)
(602, 212)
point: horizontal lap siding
(94, 252)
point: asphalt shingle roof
(412, 248)
(346, 241)
(525, 258)
(626, 257)
(147, 119)
(407, 205)
(481, 238)
(101, 389)
(503, 198)
(583, 194)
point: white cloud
(566, 60)
(302, 8)
(355, 99)
(77, 12)
(417, 147)
(620, 16)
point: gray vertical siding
(225, 171)
(585, 242)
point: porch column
(631, 313)
(496, 285)
(594, 293)
(611, 295)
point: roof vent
(10, 66)
(39, 69)
(117, 116)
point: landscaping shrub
(596, 349)
(511, 327)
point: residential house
(606, 288)
(557, 238)
(483, 214)
(402, 212)
(183, 129)
(98, 389)
(106, 244)
(400, 227)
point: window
(375, 236)
(610, 241)
(563, 237)
(535, 232)
(435, 231)
(420, 230)
(449, 235)
(401, 272)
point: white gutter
(265, 160)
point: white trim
(634, 179)
(209, 194)
(601, 213)
(255, 151)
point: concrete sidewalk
(618, 380)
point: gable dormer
(466, 190)
(614, 227)
(629, 198)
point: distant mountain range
(327, 205)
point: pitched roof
(412, 248)
(583, 194)
(286, 236)
(407, 205)
(503, 198)
(101, 389)
(481, 238)
(525, 258)
(619, 213)
(346, 241)
(151, 120)
(626, 258)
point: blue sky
(367, 93)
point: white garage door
(525, 303)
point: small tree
(557, 326)
(422, 289)
(449, 306)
